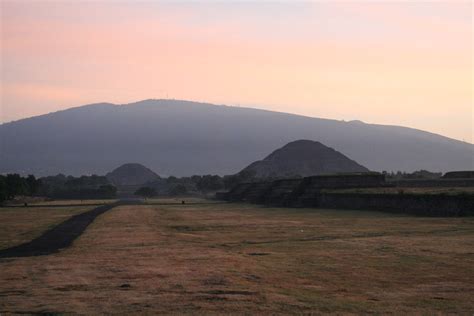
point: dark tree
(34, 185)
(84, 187)
(178, 189)
(3, 189)
(171, 179)
(195, 179)
(243, 176)
(146, 192)
(16, 185)
(107, 191)
(210, 183)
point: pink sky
(402, 63)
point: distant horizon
(248, 106)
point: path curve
(58, 237)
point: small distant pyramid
(131, 174)
(303, 158)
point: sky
(406, 63)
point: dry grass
(235, 258)
(19, 225)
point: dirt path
(59, 237)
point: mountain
(303, 158)
(131, 174)
(183, 138)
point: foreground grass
(22, 224)
(236, 258)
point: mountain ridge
(354, 121)
(179, 138)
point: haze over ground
(404, 63)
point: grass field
(238, 258)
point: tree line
(196, 184)
(13, 185)
(60, 186)
(84, 187)
(98, 187)
(174, 186)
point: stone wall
(280, 192)
(238, 192)
(434, 183)
(459, 175)
(416, 204)
(257, 192)
(363, 180)
(308, 192)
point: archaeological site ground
(208, 257)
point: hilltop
(303, 158)
(131, 174)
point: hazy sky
(405, 63)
